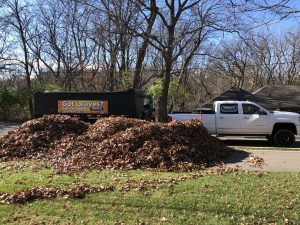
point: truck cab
(248, 118)
(234, 117)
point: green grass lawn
(233, 198)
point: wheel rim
(285, 139)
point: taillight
(170, 119)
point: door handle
(246, 117)
(221, 117)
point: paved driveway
(275, 159)
(255, 142)
(5, 127)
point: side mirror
(262, 112)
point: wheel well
(286, 126)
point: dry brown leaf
(114, 142)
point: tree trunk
(144, 46)
(165, 91)
(168, 58)
(112, 68)
(22, 34)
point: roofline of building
(258, 90)
(212, 100)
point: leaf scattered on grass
(47, 193)
(80, 191)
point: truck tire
(284, 138)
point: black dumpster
(88, 105)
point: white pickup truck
(247, 118)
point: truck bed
(208, 120)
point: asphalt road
(6, 127)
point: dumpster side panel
(119, 103)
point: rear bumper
(298, 130)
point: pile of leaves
(114, 142)
(34, 138)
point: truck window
(250, 109)
(229, 109)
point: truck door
(229, 119)
(255, 120)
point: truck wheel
(284, 138)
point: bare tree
(63, 43)
(18, 19)
(290, 54)
(4, 48)
(168, 39)
(113, 29)
(145, 43)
